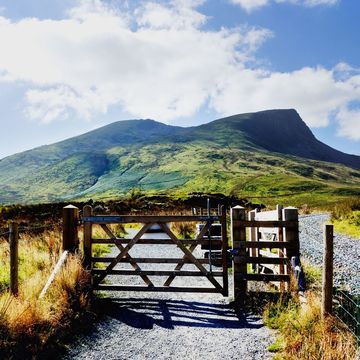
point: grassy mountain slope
(265, 155)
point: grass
(346, 217)
(29, 325)
(303, 333)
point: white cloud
(159, 62)
(163, 69)
(250, 5)
(349, 121)
(314, 92)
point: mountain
(266, 154)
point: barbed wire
(5, 233)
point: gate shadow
(146, 313)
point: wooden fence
(70, 244)
(257, 251)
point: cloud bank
(250, 5)
(158, 61)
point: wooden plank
(267, 215)
(267, 223)
(281, 252)
(156, 241)
(266, 244)
(268, 254)
(125, 250)
(112, 219)
(224, 253)
(127, 256)
(57, 268)
(148, 260)
(107, 287)
(190, 256)
(267, 277)
(265, 260)
(87, 247)
(253, 236)
(238, 235)
(154, 272)
(266, 230)
(181, 263)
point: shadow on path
(145, 313)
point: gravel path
(346, 251)
(171, 326)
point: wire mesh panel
(347, 309)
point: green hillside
(266, 155)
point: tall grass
(346, 217)
(27, 323)
(303, 333)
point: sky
(70, 66)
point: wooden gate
(202, 266)
(255, 250)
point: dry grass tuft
(28, 323)
(305, 335)
(184, 229)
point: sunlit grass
(303, 333)
(27, 322)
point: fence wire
(29, 228)
(347, 309)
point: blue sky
(67, 67)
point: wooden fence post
(14, 258)
(253, 236)
(70, 228)
(238, 235)
(224, 254)
(87, 211)
(291, 235)
(327, 276)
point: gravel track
(346, 251)
(171, 326)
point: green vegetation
(29, 325)
(258, 156)
(346, 217)
(303, 333)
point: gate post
(224, 255)
(70, 228)
(87, 211)
(291, 235)
(238, 236)
(14, 258)
(253, 236)
(328, 269)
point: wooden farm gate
(203, 266)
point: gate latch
(234, 252)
